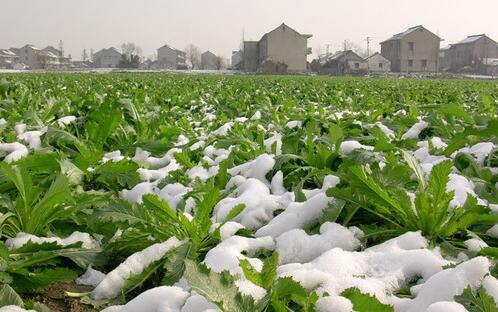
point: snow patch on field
(110, 287)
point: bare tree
(219, 63)
(193, 55)
(84, 55)
(349, 45)
(91, 54)
(129, 49)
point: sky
(220, 25)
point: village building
(209, 61)
(107, 58)
(279, 49)
(171, 58)
(341, 63)
(237, 60)
(414, 50)
(469, 54)
(376, 63)
(8, 59)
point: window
(411, 46)
(381, 65)
(410, 63)
(424, 63)
(356, 65)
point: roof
(473, 38)
(407, 32)
(336, 56)
(169, 47)
(8, 53)
(111, 49)
(284, 25)
(376, 54)
(208, 53)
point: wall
(289, 47)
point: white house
(171, 58)
(209, 61)
(237, 58)
(378, 64)
(107, 58)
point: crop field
(172, 192)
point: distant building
(171, 58)
(57, 59)
(8, 59)
(415, 50)
(107, 58)
(32, 57)
(282, 47)
(209, 61)
(237, 60)
(469, 54)
(342, 63)
(444, 59)
(378, 64)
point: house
(8, 59)
(342, 63)
(209, 61)
(33, 57)
(468, 54)
(57, 58)
(414, 50)
(171, 58)
(444, 59)
(107, 58)
(282, 47)
(376, 63)
(237, 60)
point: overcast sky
(218, 25)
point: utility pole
(328, 50)
(61, 48)
(368, 45)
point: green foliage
(218, 288)
(365, 302)
(481, 301)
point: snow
(294, 124)
(257, 168)
(475, 244)
(296, 216)
(334, 304)
(256, 116)
(159, 299)
(493, 231)
(114, 156)
(297, 246)
(415, 130)
(13, 308)
(462, 188)
(446, 306)
(33, 138)
(90, 278)
(347, 147)
(379, 271)
(66, 120)
(448, 283)
(490, 284)
(226, 255)
(480, 151)
(388, 132)
(275, 139)
(111, 285)
(255, 195)
(16, 151)
(223, 130)
(196, 303)
(23, 238)
(135, 194)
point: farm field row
(172, 192)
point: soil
(54, 297)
